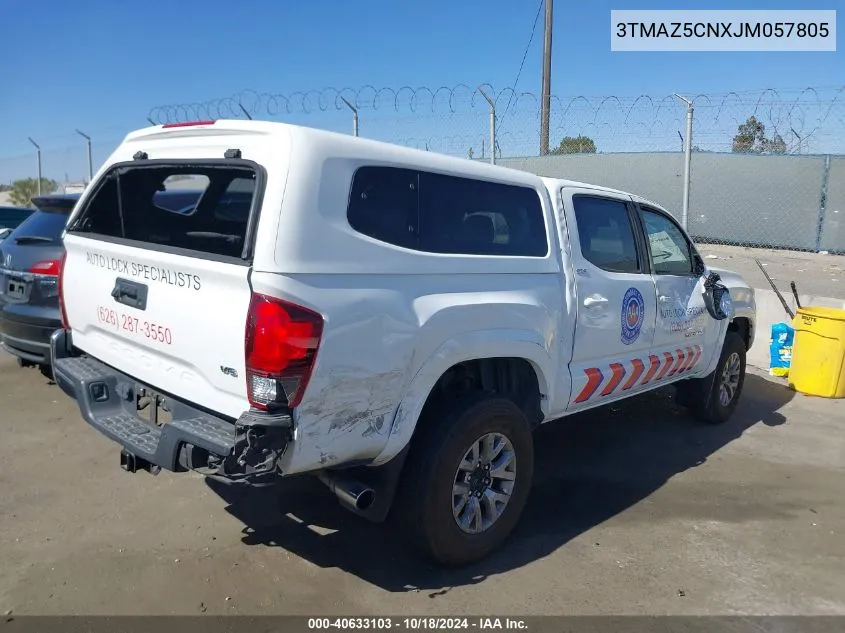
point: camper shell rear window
(205, 209)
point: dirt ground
(636, 510)
(813, 273)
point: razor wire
(793, 199)
(808, 119)
(738, 199)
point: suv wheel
(467, 478)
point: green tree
(575, 145)
(777, 145)
(23, 190)
(751, 138)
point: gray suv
(30, 258)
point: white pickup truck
(395, 321)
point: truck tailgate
(171, 321)
(161, 291)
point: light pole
(546, 105)
(38, 158)
(687, 160)
(90, 162)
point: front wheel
(714, 398)
(467, 478)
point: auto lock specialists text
(146, 272)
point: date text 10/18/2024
(417, 623)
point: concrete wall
(833, 228)
(768, 201)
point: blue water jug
(780, 349)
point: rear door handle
(664, 299)
(594, 300)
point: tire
(714, 398)
(424, 502)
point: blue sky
(101, 65)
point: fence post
(354, 116)
(90, 161)
(492, 126)
(687, 160)
(823, 201)
(38, 159)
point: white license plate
(15, 288)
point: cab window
(606, 235)
(671, 253)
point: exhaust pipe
(131, 464)
(352, 494)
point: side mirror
(717, 298)
(699, 266)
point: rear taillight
(281, 344)
(49, 267)
(62, 311)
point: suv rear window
(139, 203)
(44, 224)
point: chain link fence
(767, 167)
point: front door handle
(594, 300)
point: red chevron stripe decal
(618, 370)
(594, 379)
(655, 363)
(696, 356)
(639, 367)
(690, 355)
(669, 360)
(680, 363)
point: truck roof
(335, 143)
(556, 183)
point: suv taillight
(49, 267)
(281, 344)
(62, 311)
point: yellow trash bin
(818, 352)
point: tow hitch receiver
(131, 463)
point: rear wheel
(467, 478)
(714, 398)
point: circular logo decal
(633, 312)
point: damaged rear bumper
(248, 448)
